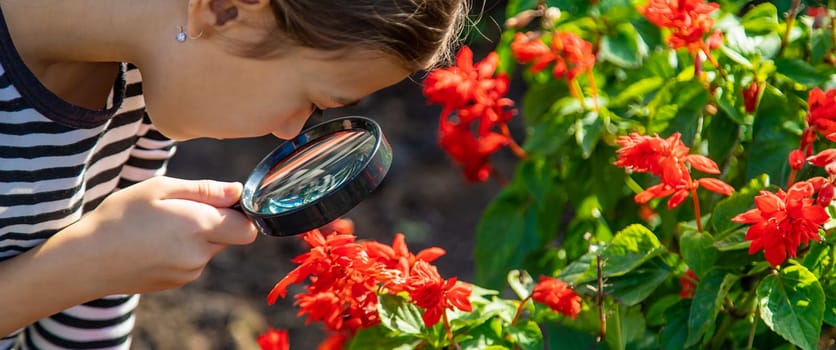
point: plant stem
(751, 339)
(713, 61)
(602, 317)
(576, 92)
(519, 311)
(791, 179)
(796, 4)
(518, 151)
(696, 200)
(449, 330)
(593, 89)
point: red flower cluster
(782, 221)
(668, 159)
(274, 340)
(557, 295)
(345, 277)
(688, 284)
(821, 117)
(476, 95)
(688, 20)
(571, 54)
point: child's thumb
(214, 193)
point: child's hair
(419, 33)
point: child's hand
(160, 233)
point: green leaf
(791, 303)
(740, 201)
(588, 131)
(526, 335)
(636, 91)
(624, 325)
(516, 6)
(830, 303)
(516, 224)
(677, 108)
(800, 71)
(487, 335)
(698, 251)
(628, 249)
(621, 47)
(656, 313)
(736, 240)
(821, 42)
(539, 99)
(708, 299)
(549, 136)
(675, 330)
(761, 19)
(397, 314)
(636, 286)
(380, 337)
(773, 141)
(559, 336)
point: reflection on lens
(313, 171)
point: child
(74, 251)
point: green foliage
(560, 208)
(569, 187)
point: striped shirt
(57, 162)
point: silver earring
(182, 36)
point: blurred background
(424, 196)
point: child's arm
(158, 234)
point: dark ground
(424, 196)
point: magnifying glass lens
(313, 170)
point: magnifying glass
(316, 177)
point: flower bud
(796, 159)
(750, 97)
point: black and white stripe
(52, 171)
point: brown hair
(419, 33)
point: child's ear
(205, 16)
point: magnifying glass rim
(305, 138)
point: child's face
(203, 91)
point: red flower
(274, 340)
(475, 95)
(528, 48)
(470, 151)
(326, 253)
(821, 112)
(571, 54)
(557, 295)
(688, 20)
(668, 159)
(432, 293)
(688, 284)
(783, 221)
(825, 159)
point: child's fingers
(232, 228)
(215, 193)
